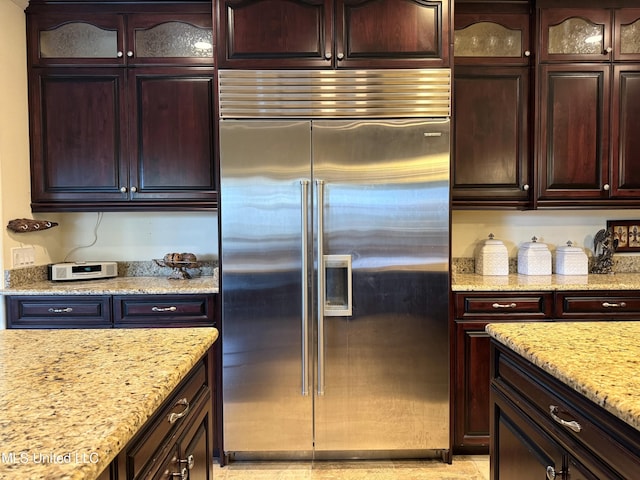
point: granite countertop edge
(70, 399)
(470, 282)
(603, 369)
(119, 286)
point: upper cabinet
(121, 106)
(491, 119)
(118, 39)
(587, 96)
(333, 33)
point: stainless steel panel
(386, 203)
(334, 93)
(262, 165)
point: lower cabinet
(138, 311)
(178, 439)
(539, 427)
(470, 369)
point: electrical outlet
(23, 256)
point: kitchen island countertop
(599, 360)
(72, 399)
(119, 286)
(470, 282)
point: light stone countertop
(81, 395)
(470, 282)
(119, 286)
(599, 360)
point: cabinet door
(275, 33)
(575, 35)
(78, 143)
(392, 33)
(471, 386)
(519, 448)
(172, 131)
(625, 118)
(573, 143)
(170, 38)
(491, 136)
(627, 34)
(81, 38)
(491, 39)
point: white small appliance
(81, 270)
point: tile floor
(463, 468)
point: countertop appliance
(81, 270)
(334, 225)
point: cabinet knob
(608, 50)
(123, 189)
(327, 55)
(527, 53)
(340, 56)
(134, 189)
(606, 187)
(525, 187)
(129, 54)
(120, 54)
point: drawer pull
(174, 417)
(183, 475)
(614, 305)
(504, 305)
(163, 309)
(573, 425)
(61, 310)
(551, 473)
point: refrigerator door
(382, 372)
(264, 165)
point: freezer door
(382, 372)
(265, 168)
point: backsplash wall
(553, 227)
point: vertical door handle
(304, 219)
(320, 281)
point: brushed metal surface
(334, 93)
(386, 203)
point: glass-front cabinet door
(115, 39)
(627, 30)
(80, 39)
(491, 38)
(575, 35)
(176, 38)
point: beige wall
(514, 228)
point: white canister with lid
(571, 260)
(492, 258)
(534, 258)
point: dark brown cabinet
(106, 311)
(333, 33)
(492, 150)
(177, 441)
(539, 426)
(471, 372)
(587, 97)
(122, 107)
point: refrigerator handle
(304, 217)
(321, 283)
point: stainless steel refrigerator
(334, 227)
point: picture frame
(627, 232)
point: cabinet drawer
(148, 447)
(163, 310)
(70, 311)
(599, 306)
(574, 419)
(492, 307)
